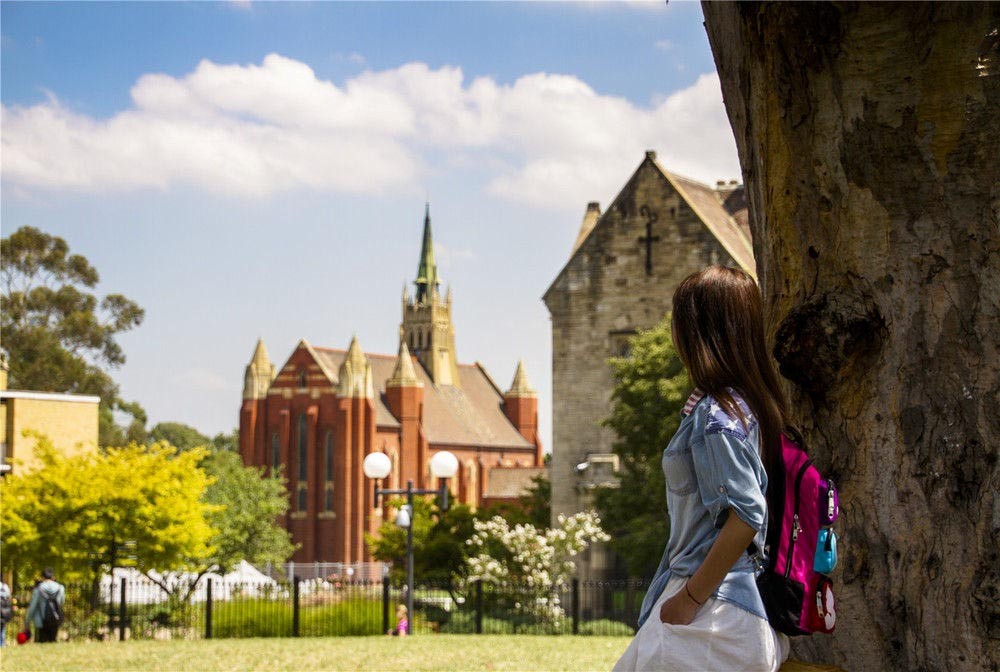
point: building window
(328, 455)
(275, 451)
(303, 498)
(303, 457)
(621, 343)
(303, 378)
(328, 470)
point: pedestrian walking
(45, 611)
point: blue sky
(245, 170)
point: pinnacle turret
(404, 375)
(356, 379)
(259, 373)
(520, 387)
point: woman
(702, 610)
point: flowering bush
(538, 562)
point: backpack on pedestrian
(802, 547)
(52, 615)
(6, 605)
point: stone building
(69, 421)
(325, 409)
(620, 278)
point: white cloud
(201, 379)
(449, 256)
(253, 130)
(664, 45)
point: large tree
(868, 135)
(58, 334)
(141, 506)
(650, 389)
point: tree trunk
(869, 136)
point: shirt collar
(692, 401)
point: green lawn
(421, 652)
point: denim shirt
(713, 468)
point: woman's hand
(679, 609)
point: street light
(377, 466)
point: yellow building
(68, 420)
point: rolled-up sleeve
(730, 475)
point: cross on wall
(649, 238)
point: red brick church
(325, 409)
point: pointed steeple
(355, 374)
(427, 277)
(404, 375)
(259, 373)
(520, 387)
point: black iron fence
(214, 608)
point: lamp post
(377, 466)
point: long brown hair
(718, 330)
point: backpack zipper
(795, 519)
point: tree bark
(869, 136)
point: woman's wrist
(691, 597)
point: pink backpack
(794, 585)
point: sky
(246, 169)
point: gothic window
(328, 455)
(303, 458)
(275, 451)
(328, 471)
(303, 378)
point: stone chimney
(590, 218)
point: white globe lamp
(443, 464)
(377, 465)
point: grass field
(428, 652)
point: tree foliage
(177, 434)
(439, 549)
(539, 562)
(57, 333)
(245, 505)
(532, 508)
(131, 506)
(648, 396)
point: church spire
(427, 277)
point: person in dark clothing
(45, 611)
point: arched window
(328, 471)
(303, 457)
(275, 452)
(303, 378)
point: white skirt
(721, 637)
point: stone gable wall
(602, 296)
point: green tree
(245, 505)
(532, 508)
(227, 441)
(57, 333)
(141, 506)
(179, 435)
(440, 553)
(648, 396)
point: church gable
(657, 219)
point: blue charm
(826, 551)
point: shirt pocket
(678, 469)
